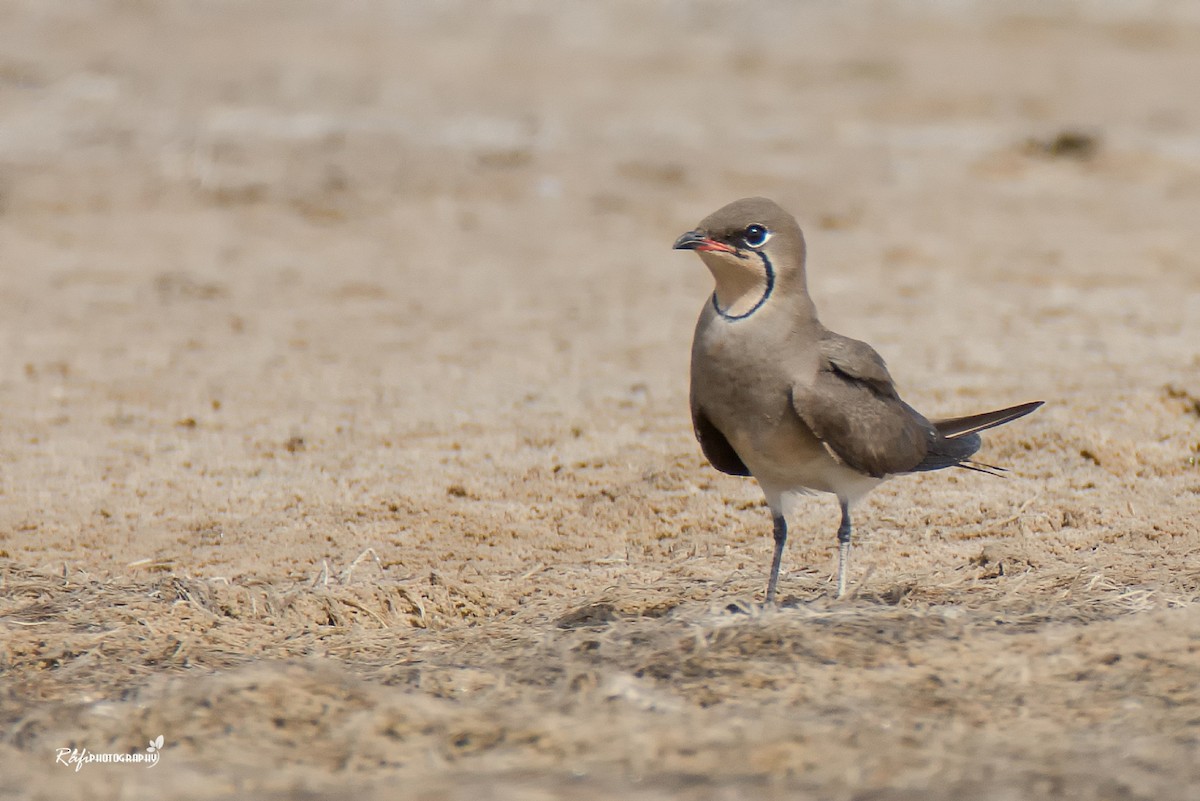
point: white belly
(800, 464)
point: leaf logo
(155, 744)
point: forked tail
(958, 439)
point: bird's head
(752, 247)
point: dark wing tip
(974, 423)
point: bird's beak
(694, 240)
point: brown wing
(717, 450)
(859, 361)
(853, 408)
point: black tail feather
(949, 451)
(981, 467)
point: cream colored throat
(742, 286)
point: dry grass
(343, 429)
(324, 687)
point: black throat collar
(770, 271)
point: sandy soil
(343, 426)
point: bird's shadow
(891, 595)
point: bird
(778, 396)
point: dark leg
(780, 539)
(843, 548)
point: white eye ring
(755, 236)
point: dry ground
(285, 281)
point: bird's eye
(756, 235)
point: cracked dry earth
(343, 401)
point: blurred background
(286, 280)
(525, 166)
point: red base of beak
(694, 240)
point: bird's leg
(780, 539)
(843, 548)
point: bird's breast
(742, 377)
